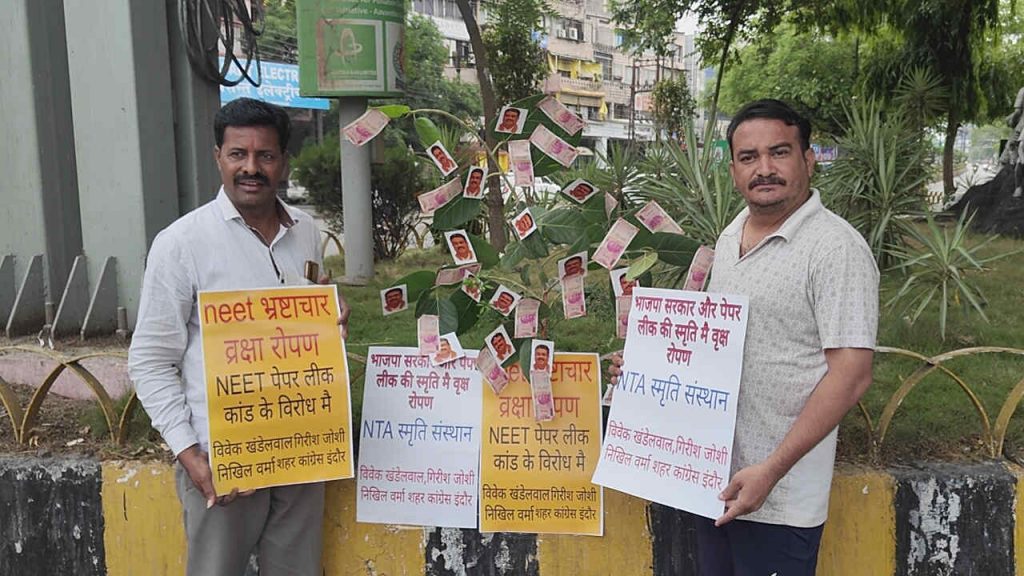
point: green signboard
(351, 47)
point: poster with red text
(673, 415)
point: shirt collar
(228, 210)
(788, 228)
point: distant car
(296, 193)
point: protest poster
(420, 440)
(673, 416)
(277, 387)
(535, 477)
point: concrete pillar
(601, 150)
(355, 196)
(39, 212)
(121, 95)
(196, 101)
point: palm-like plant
(877, 183)
(693, 186)
(937, 267)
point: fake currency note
(623, 304)
(450, 276)
(427, 333)
(492, 372)
(522, 164)
(697, 274)
(543, 400)
(550, 144)
(366, 127)
(655, 219)
(472, 287)
(574, 302)
(527, 318)
(614, 244)
(610, 202)
(560, 115)
(438, 197)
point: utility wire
(209, 25)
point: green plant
(877, 182)
(937, 269)
(693, 187)
(673, 105)
(394, 183)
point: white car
(296, 193)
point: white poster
(673, 416)
(419, 449)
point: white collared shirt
(210, 248)
(812, 285)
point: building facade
(590, 72)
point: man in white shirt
(813, 289)
(245, 238)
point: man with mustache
(245, 238)
(812, 285)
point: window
(569, 29)
(463, 56)
(606, 64)
(620, 111)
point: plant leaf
(563, 226)
(641, 265)
(394, 111)
(457, 213)
(674, 249)
(468, 311)
(417, 282)
(486, 255)
(426, 130)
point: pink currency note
(563, 152)
(623, 304)
(495, 375)
(527, 318)
(560, 115)
(543, 400)
(366, 127)
(700, 266)
(438, 197)
(614, 244)
(427, 334)
(522, 164)
(574, 302)
(655, 219)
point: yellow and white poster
(535, 476)
(277, 387)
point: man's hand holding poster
(673, 416)
(277, 387)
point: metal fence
(24, 419)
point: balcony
(576, 86)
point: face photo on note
(448, 349)
(394, 299)
(460, 247)
(504, 300)
(620, 284)
(542, 356)
(476, 178)
(499, 344)
(511, 120)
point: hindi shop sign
(419, 452)
(673, 415)
(277, 387)
(535, 476)
(279, 84)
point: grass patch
(936, 420)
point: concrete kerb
(73, 516)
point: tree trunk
(495, 203)
(952, 125)
(726, 45)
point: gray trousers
(282, 525)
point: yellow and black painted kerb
(83, 518)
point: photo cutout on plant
(620, 285)
(524, 224)
(574, 265)
(441, 158)
(460, 247)
(504, 300)
(448, 349)
(499, 344)
(580, 190)
(394, 299)
(476, 179)
(511, 120)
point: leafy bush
(877, 183)
(937, 267)
(394, 183)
